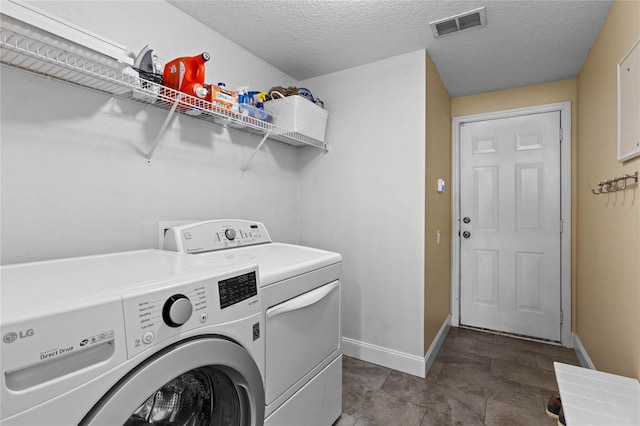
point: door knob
(467, 219)
(466, 234)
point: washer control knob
(177, 310)
(230, 234)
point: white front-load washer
(301, 305)
(134, 338)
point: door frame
(565, 206)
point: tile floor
(476, 379)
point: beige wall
(437, 205)
(538, 94)
(608, 238)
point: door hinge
(561, 226)
(561, 134)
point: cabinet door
(300, 334)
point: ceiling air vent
(463, 21)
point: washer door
(199, 382)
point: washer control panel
(215, 235)
(236, 289)
(153, 316)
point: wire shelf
(80, 68)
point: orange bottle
(186, 74)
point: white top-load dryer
(301, 304)
(134, 338)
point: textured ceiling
(525, 42)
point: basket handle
(276, 93)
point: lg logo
(11, 337)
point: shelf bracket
(164, 127)
(264, 139)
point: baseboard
(390, 358)
(581, 353)
(436, 344)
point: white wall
(365, 199)
(74, 180)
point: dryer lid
(279, 261)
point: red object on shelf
(186, 74)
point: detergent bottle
(186, 74)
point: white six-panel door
(510, 248)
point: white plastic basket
(297, 114)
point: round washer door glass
(200, 397)
(204, 381)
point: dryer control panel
(154, 316)
(213, 235)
